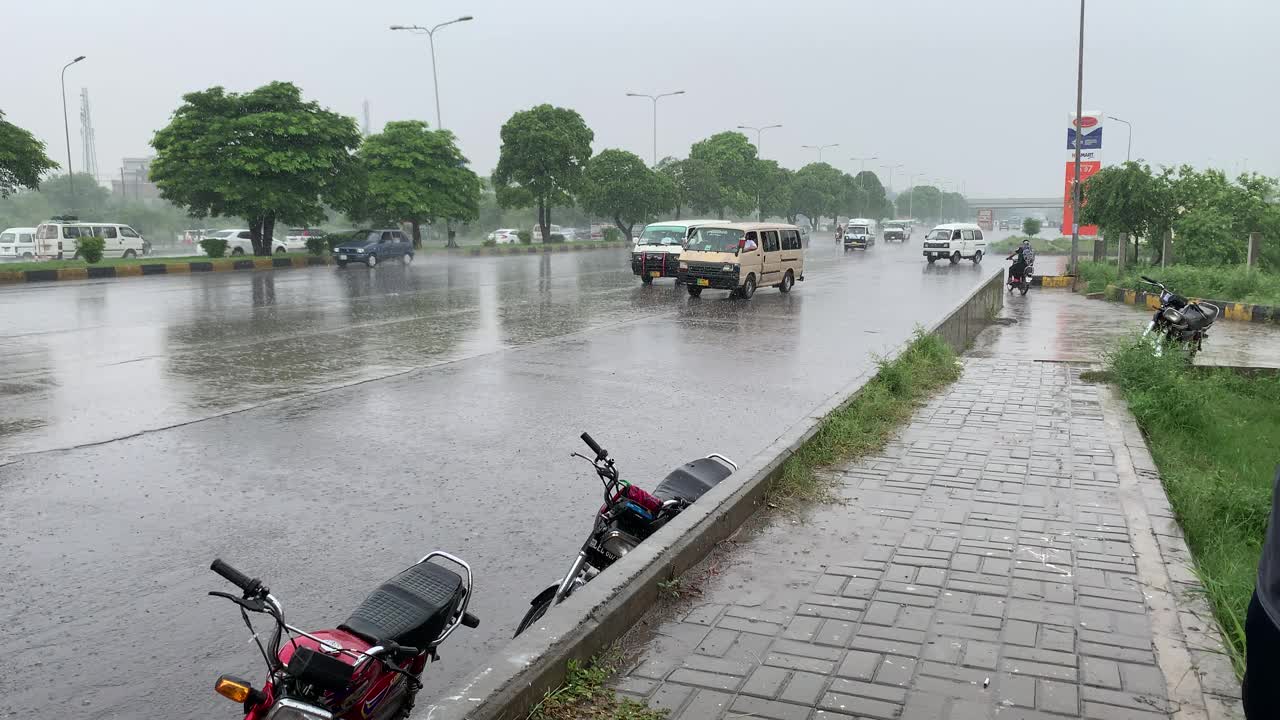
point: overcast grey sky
(975, 91)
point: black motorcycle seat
(411, 608)
(1199, 316)
(692, 480)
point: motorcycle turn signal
(235, 689)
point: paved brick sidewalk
(1009, 555)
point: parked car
(120, 240)
(296, 240)
(955, 241)
(739, 257)
(505, 236)
(240, 243)
(18, 243)
(374, 246)
(59, 239)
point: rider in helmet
(1023, 259)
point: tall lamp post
(820, 148)
(911, 185)
(431, 39)
(655, 99)
(66, 129)
(1075, 178)
(759, 132)
(1129, 143)
(891, 168)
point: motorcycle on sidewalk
(629, 516)
(367, 667)
(1179, 321)
(1019, 280)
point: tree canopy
(816, 191)
(724, 176)
(621, 187)
(775, 190)
(415, 174)
(22, 158)
(264, 155)
(1129, 199)
(544, 152)
(924, 201)
(869, 197)
(674, 170)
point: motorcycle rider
(1026, 258)
(839, 233)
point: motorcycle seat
(692, 480)
(412, 608)
(1199, 316)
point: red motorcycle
(367, 667)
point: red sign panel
(985, 217)
(1087, 168)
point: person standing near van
(1260, 691)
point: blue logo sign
(1089, 141)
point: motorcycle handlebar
(1148, 280)
(595, 447)
(234, 576)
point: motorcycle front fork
(1157, 346)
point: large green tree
(543, 155)
(727, 179)
(1130, 199)
(674, 170)
(89, 198)
(817, 189)
(265, 155)
(774, 189)
(621, 187)
(870, 197)
(924, 201)
(414, 174)
(22, 158)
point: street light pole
(431, 40)
(655, 99)
(66, 129)
(1128, 146)
(891, 168)
(820, 148)
(759, 132)
(1075, 180)
(912, 197)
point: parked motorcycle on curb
(1020, 281)
(367, 667)
(1179, 320)
(629, 516)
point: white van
(860, 233)
(18, 244)
(119, 240)
(656, 253)
(955, 241)
(58, 239)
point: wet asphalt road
(321, 429)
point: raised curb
(515, 679)
(1051, 281)
(1242, 312)
(97, 272)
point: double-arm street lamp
(759, 132)
(820, 148)
(431, 38)
(655, 99)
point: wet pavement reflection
(321, 429)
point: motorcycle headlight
(286, 709)
(1171, 316)
(617, 544)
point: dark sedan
(372, 247)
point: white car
(18, 244)
(296, 239)
(505, 236)
(239, 242)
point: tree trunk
(626, 229)
(546, 229)
(416, 230)
(255, 234)
(544, 221)
(449, 234)
(720, 214)
(268, 232)
(677, 211)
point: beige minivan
(740, 257)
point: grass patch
(1229, 283)
(1212, 433)
(585, 696)
(1042, 246)
(866, 424)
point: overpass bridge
(1011, 203)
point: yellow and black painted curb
(535, 248)
(1243, 312)
(257, 263)
(1051, 281)
(160, 268)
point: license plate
(704, 282)
(342, 257)
(655, 273)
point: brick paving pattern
(988, 563)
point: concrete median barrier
(513, 680)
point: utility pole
(66, 130)
(1075, 180)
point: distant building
(133, 182)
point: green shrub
(1227, 283)
(1031, 226)
(90, 249)
(611, 234)
(317, 244)
(526, 236)
(214, 247)
(555, 238)
(489, 243)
